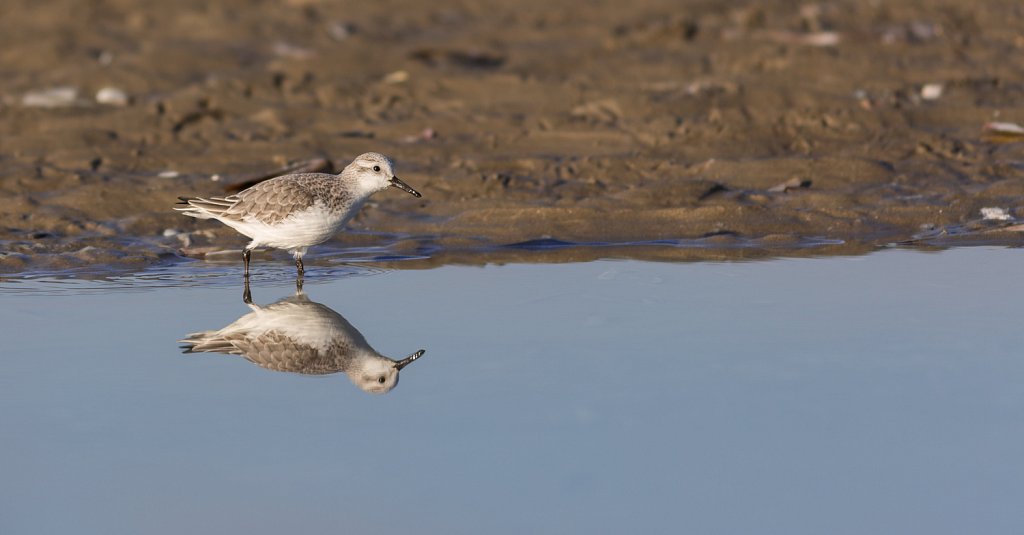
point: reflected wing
(272, 350)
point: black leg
(246, 254)
(299, 267)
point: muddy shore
(707, 131)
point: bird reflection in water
(298, 335)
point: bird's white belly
(303, 229)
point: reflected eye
(376, 169)
(380, 379)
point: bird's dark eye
(380, 379)
(376, 169)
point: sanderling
(294, 212)
(298, 335)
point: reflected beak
(396, 183)
(407, 360)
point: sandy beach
(656, 131)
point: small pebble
(167, 174)
(290, 51)
(792, 183)
(340, 31)
(426, 134)
(396, 77)
(821, 39)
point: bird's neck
(349, 197)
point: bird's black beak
(408, 360)
(396, 183)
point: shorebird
(298, 335)
(294, 212)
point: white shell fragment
(54, 97)
(931, 91)
(995, 214)
(1004, 128)
(112, 96)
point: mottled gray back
(274, 200)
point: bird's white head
(373, 172)
(378, 375)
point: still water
(874, 394)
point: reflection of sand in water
(633, 122)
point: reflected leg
(246, 294)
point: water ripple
(176, 275)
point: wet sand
(658, 131)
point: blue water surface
(875, 394)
